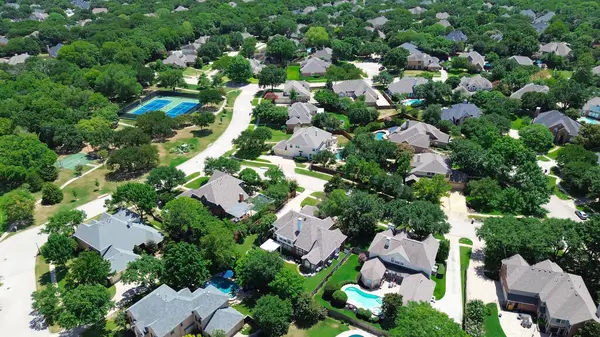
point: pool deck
(355, 331)
(381, 291)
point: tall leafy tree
(272, 76)
(216, 247)
(89, 268)
(171, 78)
(184, 266)
(239, 69)
(64, 222)
(316, 36)
(58, 249)
(186, 219)
(146, 272)
(420, 319)
(156, 124)
(432, 189)
(359, 219)
(165, 178)
(18, 206)
(143, 197)
(537, 137)
(86, 304)
(272, 315)
(258, 268)
(281, 48)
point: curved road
(17, 253)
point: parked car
(381, 68)
(582, 215)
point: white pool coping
(355, 332)
(364, 290)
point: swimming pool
(379, 135)
(412, 101)
(173, 106)
(225, 285)
(363, 299)
(588, 120)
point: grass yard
(311, 283)
(342, 118)
(231, 97)
(421, 73)
(309, 201)
(319, 195)
(341, 140)
(278, 135)
(42, 272)
(325, 328)
(465, 259)
(192, 176)
(255, 101)
(199, 139)
(256, 164)
(293, 73)
(313, 174)
(555, 190)
(542, 158)
(465, 241)
(246, 245)
(197, 183)
(553, 154)
(492, 323)
(189, 71)
(516, 124)
(440, 286)
(348, 272)
(109, 330)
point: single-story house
(114, 236)
(180, 59)
(457, 36)
(309, 238)
(419, 135)
(560, 301)
(314, 66)
(378, 22)
(300, 115)
(223, 195)
(558, 48)
(562, 127)
(325, 54)
(429, 164)
(522, 60)
(301, 88)
(471, 85)
(457, 113)
(476, 60)
(530, 87)
(398, 256)
(356, 88)
(405, 85)
(169, 313)
(305, 142)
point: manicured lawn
(278, 135)
(465, 259)
(466, 241)
(325, 328)
(300, 189)
(343, 118)
(231, 97)
(566, 74)
(311, 283)
(110, 330)
(112, 291)
(348, 272)
(492, 323)
(301, 165)
(319, 195)
(553, 154)
(421, 72)
(42, 272)
(293, 73)
(192, 176)
(189, 71)
(542, 158)
(516, 124)
(256, 164)
(246, 245)
(261, 160)
(440, 286)
(555, 190)
(309, 201)
(255, 101)
(342, 141)
(313, 174)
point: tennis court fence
(123, 112)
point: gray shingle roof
(522, 60)
(418, 134)
(115, 235)
(429, 163)
(53, 51)
(565, 295)
(81, 4)
(473, 84)
(416, 288)
(529, 88)
(596, 70)
(444, 23)
(417, 10)
(3, 40)
(460, 111)
(314, 235)
(474, 58)
(302, 88)
(457, 36)
(314, 65)
(556, 119)
(406, 85)
(164, 309)
(223, 190)
(18, 59)
(324, 54)
(301, 113)
(442, 16)
(412, 49)
(356, 88)
(595, 101)
(558, 48)
(378, 21)
(418, 253)
(529, 13)
(311, 137)
(373, 269)
(224, 320)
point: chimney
(466, 101)
(418, 158)
(241, 197)
(537, 111)
(387, 242)
(299, 224)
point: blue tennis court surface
(152, 106)
(181, 108)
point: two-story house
(562, 127)
(305, 142)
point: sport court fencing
(129, 111)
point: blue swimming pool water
(363, 299)
(379, 135)
(355, 335)
(413, 101)
(225, 285)
(338, 155)
(589, 120)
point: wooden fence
(356, 322)
(322, 283)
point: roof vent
(387, 242)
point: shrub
(441, 270)
(375, 319)
(300, 159)
(330, 288)
(271, 95)
(364, 314)
(51, 194)
(339, 298)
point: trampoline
(152, 106)
(181, 109)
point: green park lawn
(231, 97)
(325, 328)
(313, 174)
(492, 323)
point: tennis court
(173, 106)
(71, 161)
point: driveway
(443, 76)
(452, 303)
(288, 166)
(370, 68)
(564, 209)
(242, 110)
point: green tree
(133, 160)
(89, 268)
(433, 92)
(64, 222)
(186, 219)
(46, 302)
(216, 247)
(257, 268)
(281, 48)
(420, 319)
(171, 78)
(51, 194)
(203, 82)
(184, 266)
(384, 78)
(155, 124)
(537, 137)
(475, 315)
(443, 251)
(272, 315)
(204, 119)
(307, 312)
(360, 113)
(251, 143)
(81, 53)
(223, 164)
(18, 206)
(165, 178)
(143, 197)
(239, 69)
(208, 96)
(287, 284)
(248, 47)
(146, 272)
(359, 219)
(324, 158)
(84, 305)
(272, 76)
(484, 193)
(589, 136)
(390, 308)
(589, 329)
(118, 82)
(58, 249)
(97, 131)
(432, 189)
(316, 37)
(334, 204)
(396, 58)
(422, 217)
(250, 178)
(432, 114)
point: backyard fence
(357, 323)
(343, 133)
(330, 273)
